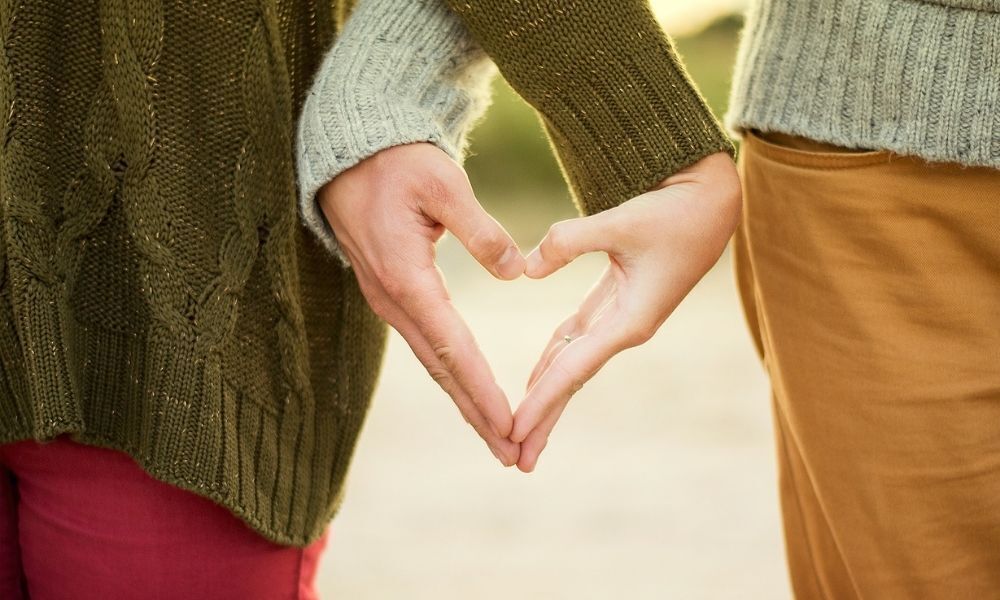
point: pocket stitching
(815, 158)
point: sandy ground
(659, 482)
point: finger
(454, 205)
(531, 449)
(427, 305)
(597, 298)
(532, 446)
(584, 324)
(566, 240)
(567, 329)
(538, 437)
(387, 308)
(569, 370)
(506, 451)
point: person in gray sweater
(868, 261)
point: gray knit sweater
(400, 72)
(917, 77)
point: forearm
(616, 102)
(400, 72)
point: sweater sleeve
(611, 92)
(400, 72)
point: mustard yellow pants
(871, 284)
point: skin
(659, 245)
(389, 211)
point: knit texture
(912, 76)
(159, 293)
(381, 86)
(615, 100)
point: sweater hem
(167, 476)
(174, 411)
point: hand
(659, 245)
(387, 213)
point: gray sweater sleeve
(400, 72)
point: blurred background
(659, 481)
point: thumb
(485, 239)
(566, 240)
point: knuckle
(557, 239)
(575, 381)
(394, 287)
(488, 242)
(641, 334)
(397, 284)
(446, 355)
(379, 306)
(381, 272)
(440, 376)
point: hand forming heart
(659, 245)
(389, 211)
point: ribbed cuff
(617, 104)
(915, 77)
(399, 73)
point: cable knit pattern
(380, 87)
(159, 292)
(159, 295)
(913, 76)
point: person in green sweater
(184, 366)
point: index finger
(428, 306)
(567, 372)
(506, 451)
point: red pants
(83, 522)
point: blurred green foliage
(512, 167)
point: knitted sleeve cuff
(400, 72)
(612, 94)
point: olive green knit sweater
(158, 293)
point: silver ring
(567, 339)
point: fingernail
(510, 264)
